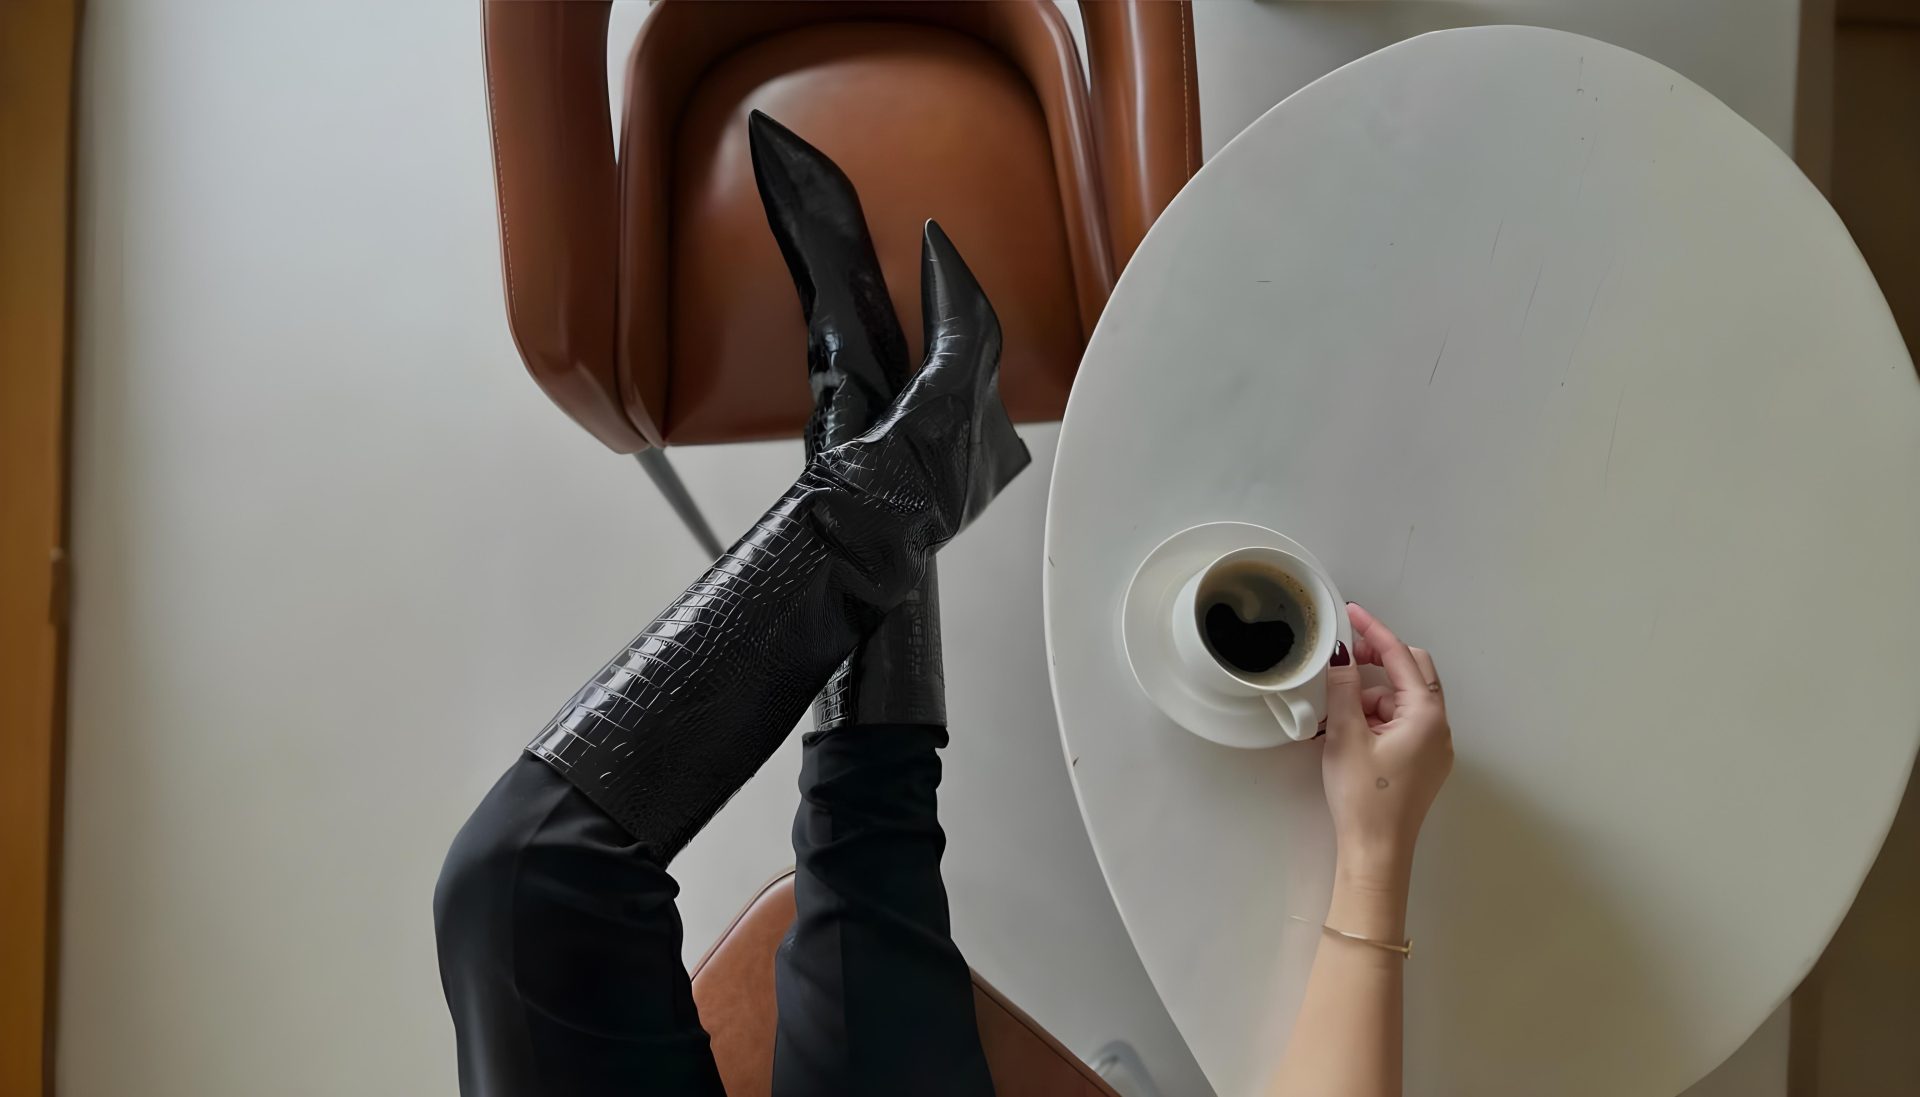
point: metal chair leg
(661, 472)
(1120, 1067)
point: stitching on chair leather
(1186, 97)
(499, 184)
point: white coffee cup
(1295, 689)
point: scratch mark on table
(1437, 357)
(1533, 293)
(1405, 551)
(1607, 475)
(1584, 165)
(1495, 250)
(1575, 351)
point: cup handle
(1299, 710)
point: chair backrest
(648, 298)
(733, 987)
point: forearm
(1346, 1042)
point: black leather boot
(677, 722)
(856, 363)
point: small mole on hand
(1381, 783)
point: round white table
(1565, 371)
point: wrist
(1370, 906)
(1384, 868)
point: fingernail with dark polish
(1340, 656)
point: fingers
(1378, 703)
(1393, 655)
(1363, 652)
(1344, 710)
(1424, 660)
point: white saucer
(1147, 635)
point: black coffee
(1253, 647)
(1257, 620)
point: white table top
(1566, 372)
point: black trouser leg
(875, 998)
(560, 952)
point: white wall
(336, 557)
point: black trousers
(560, 945)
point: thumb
(1344, 712)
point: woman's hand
(1388, 751)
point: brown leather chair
(646, 294)
(733, 986)
(649, 300)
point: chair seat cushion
(928, 122)
(733, 986)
